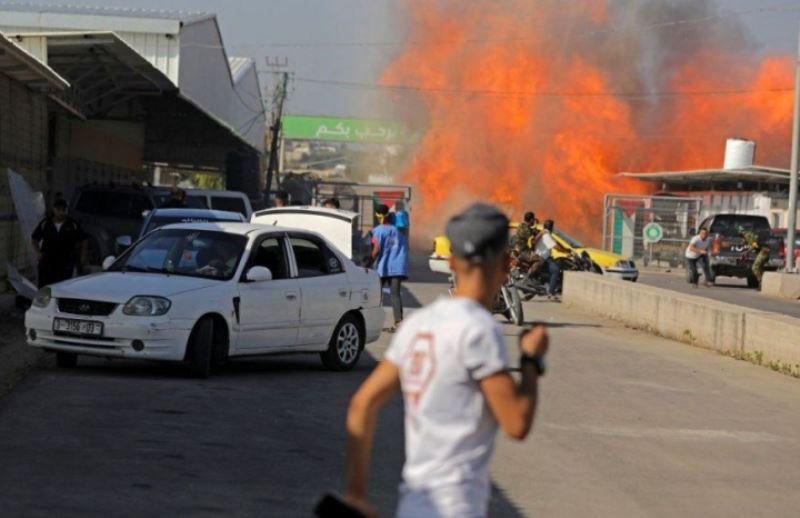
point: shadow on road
(264, 437)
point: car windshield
(571, 241)
(158, 221)
(194, 253)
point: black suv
(727, 246)
(108, 211)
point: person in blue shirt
(390, 259)
(401, 220)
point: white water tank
(739, 153)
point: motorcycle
(536, 285)
(507, 303)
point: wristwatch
(535, 360)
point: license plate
(78, 327)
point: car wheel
(345, 346)
(66, 360)
(201, 348)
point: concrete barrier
(779, 284)
(696, 320)
(763, 337)
(774, 340)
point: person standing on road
(755, 244)
(545, 244)
(697, 252)
(390, 258)
(58, 244)
(450, 362)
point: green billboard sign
(302, 127)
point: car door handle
(291, 295)
(344, 293)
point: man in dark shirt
(57, 244)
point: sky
(252, 27)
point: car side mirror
(108, 261)
(258, 274)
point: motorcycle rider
(526, 234)
(544, 246)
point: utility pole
(278, 101)
(792, 219)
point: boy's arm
(514, 406)
(362, 417)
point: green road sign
(653, 233)
(303, 127)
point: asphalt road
(630, 425)
(727, 289)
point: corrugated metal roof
(239, 66)
(153, 14)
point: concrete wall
(23, 148)
(727, 328)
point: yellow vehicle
(612, 264)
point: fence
(626, 216)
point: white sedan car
(204, 292)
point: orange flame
(531, 148)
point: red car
(782, 232)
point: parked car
(611, 264)
(342, 227)
(106, 212)
(729, 256)
(228, 201)
(783, 234)
(162, 217)
(205, 292)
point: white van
(228, 201)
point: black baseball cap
(478, 233)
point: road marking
(679, 434)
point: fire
(538, 105)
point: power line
(533, 94)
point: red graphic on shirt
(419, 365)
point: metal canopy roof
(103, 70)
(18, 64)
(79, 17)
(752, 174)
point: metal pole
(792, 220)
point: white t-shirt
(545, 244)
(443, 351)
(697, 242)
